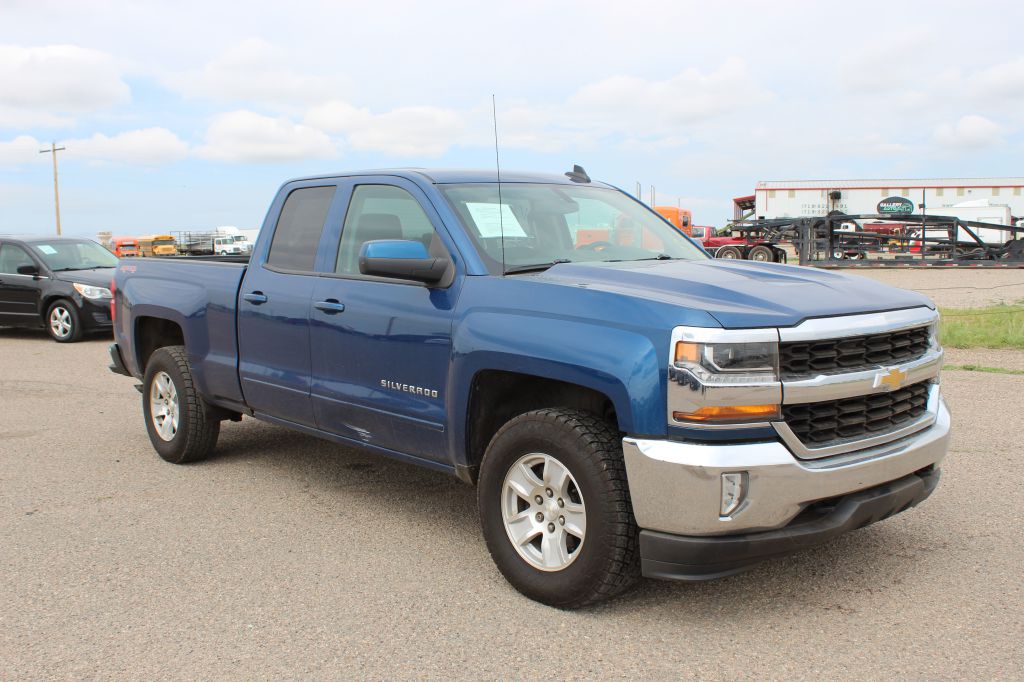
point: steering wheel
(595, 246)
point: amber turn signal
(687, 352)
(729, 413)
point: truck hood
(740, 294)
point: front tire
(555, 509)
(62, 321)
(180, 423)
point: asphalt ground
(290, 557)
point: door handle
(256, 297)
(330, 306)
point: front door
(19, 294)
(380, 347)
(273, 309)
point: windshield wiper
(660, 256)
(536, 267)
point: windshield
(74, 255)
(239, 238)
(546, 224)
(163, 242)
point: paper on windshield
(47, 249)
(489, 223)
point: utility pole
(56, 194)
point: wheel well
(152, 333)
(45, 304)
(498, 396)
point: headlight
(727, 362)
(91, 292)
(933, 335)
(724, 376)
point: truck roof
(448, 176)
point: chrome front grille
(820, 424)
(851, 353)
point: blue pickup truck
(625, 404)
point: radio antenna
(497, 166)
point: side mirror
(402, 259)
(28, 270)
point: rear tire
(730, 252)
(180, 424)
(761, 254)
(62, 321)
(579, 544)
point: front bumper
(677, 557)
(677, 488)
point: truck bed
(200, 296)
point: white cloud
(1005, 80)
(143, 147)
(246, 136)
(970, 132)
(40, 85)
(259, 72)
(150, 146)
(22, 149)
(690, 97)
(406, 131)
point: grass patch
(997, 326)
(979, 368)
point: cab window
(382, 212)
(298, 230)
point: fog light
(734, 491)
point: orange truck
(125, 247)
(681, 218)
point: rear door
(19, 294)
(381, 348)
(273, 306)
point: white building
(798, 198)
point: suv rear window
(298, 229)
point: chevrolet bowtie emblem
(892, 379)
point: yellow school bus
(157, 245)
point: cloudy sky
(188, 115)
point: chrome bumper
(677, 487)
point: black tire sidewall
(76, 322)
(171, 450)
(729, 249)
(574, 583)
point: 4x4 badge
(892, 379)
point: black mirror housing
(28, 270)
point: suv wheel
(180, 424)
(555, 508)
(62, 321)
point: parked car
(58, 283)
(625, 406)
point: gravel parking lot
(286, 556)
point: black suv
(60, 284)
